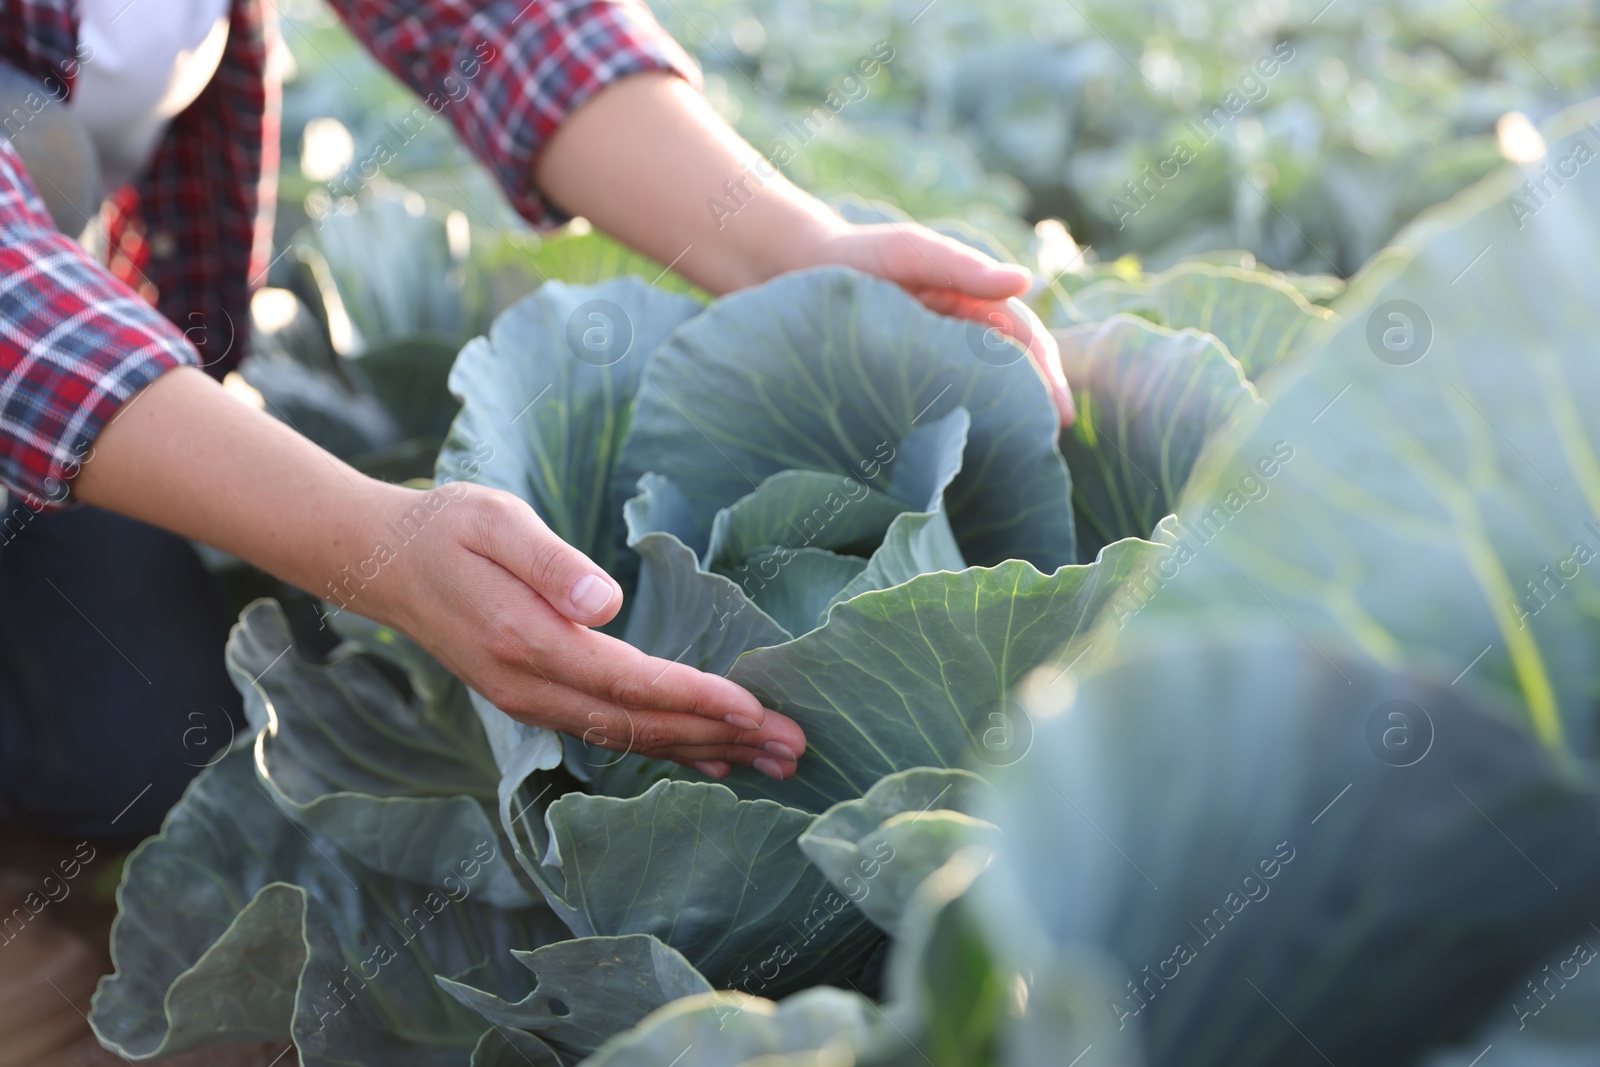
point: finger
(600, 725)
(623, 675)
(918, 258)
(780, 770)
(1013, 319)
(511, 534)
(656, 732)
(682, 739)
(650, 731)
(1046, 356)
(713, 769)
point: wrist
(372, 544)
(795, 232)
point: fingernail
(710, 769)
(591, 593)
(769, 767)
(742, 722)
(781, 750)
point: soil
(67, 945)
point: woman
(108, 397)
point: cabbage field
(1250, 721)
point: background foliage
(1037, 110)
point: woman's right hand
(508, 607)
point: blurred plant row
(1305, 133)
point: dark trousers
(113, 692)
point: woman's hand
(952, 279)
(471, 574)
(648, 161)
(507, 606)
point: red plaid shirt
(194, 232)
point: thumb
(514, 536)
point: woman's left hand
(649, 162)
(952, 279)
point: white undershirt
(146, 61)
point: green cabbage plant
(856, 508)
(1322, 789)
(1279, 757)
(1272, 768)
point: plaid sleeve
(75, 344)
(508, 72)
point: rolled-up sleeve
(507, 74)
(75, 345)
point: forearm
(644, 160)
(185, 455)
